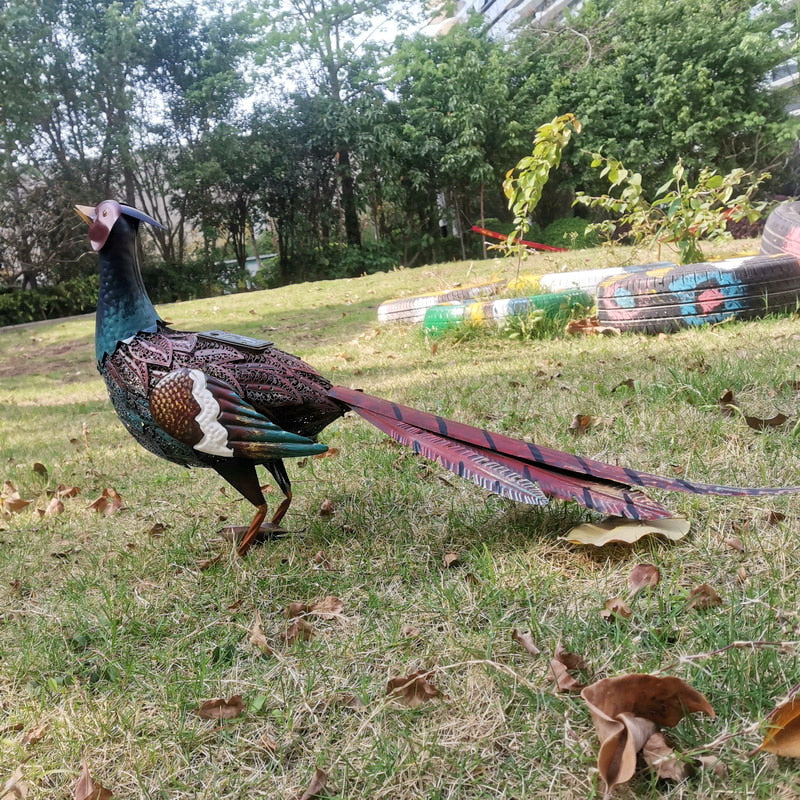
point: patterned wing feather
(209, 415)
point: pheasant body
(231, 403)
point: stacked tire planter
(668, 299)
(412, 309)
(442, 317)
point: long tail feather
(524, 482)
(600, 486)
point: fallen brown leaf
(730, 408)
(257, 638)
(329, 453)
(664, 760)
(316, 786)
(157, 529)
(783, 734)
(581, 423)
(526, 641)
(703, 597)
(15, 788)
(221, 708)
(626, 712)
(326, 508)
(321, 560)
(87, 789)
(412, 690)
(590, 326)
(64, 491)
(108, 503)
(10, 500)
(643, 576)
(326, 607)
(40, 469)
(55, 506)
(727, 403)
(450, 560)
(615, 606)
(560, 665)
(299, 630)
(34, 735)
(734, 543)
(628, 383)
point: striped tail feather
(509, 477)
(594, 484)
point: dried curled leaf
(664, 760)
(15, 788)
(221, 708)
(643, 576)
(590, 326)
(627, 711)
(316, 786)
(615, 606)
(257, 638)
(108, 503)
(560, 665)
(620, 529)
(299, 630)
(413, 689)
(526, 640)
(10, 500)
(703, 597)
(730, 408)
(87, 789)
(327, 607)
(783, 735)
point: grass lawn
(112, 635)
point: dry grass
(111, 635)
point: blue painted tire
(665, 300)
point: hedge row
(75, 296)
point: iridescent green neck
(123, 306)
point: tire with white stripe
(782, 230)
(412, 309)
(665, 300)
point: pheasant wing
(212, 417)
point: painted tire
(445, 316)
(412, 309)
(664, 300)
(782, 230)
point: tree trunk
(352, 229)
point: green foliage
(572, 232)
(524, 183)
(681, 213)
(655, 81)
(75, 296)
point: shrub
(74, 296)
(572, 232)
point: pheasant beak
(86, 213)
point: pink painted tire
(668, 299)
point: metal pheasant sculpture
(229, 402)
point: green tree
(328, 50)
(458, 127)
(654, 81)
